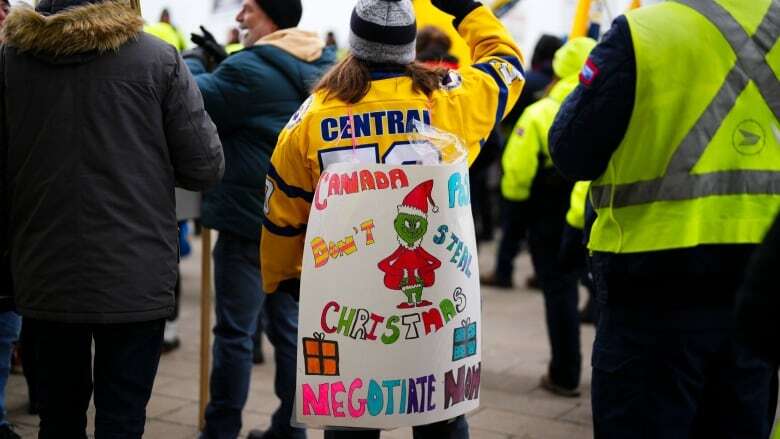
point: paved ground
(515, 354)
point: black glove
(459, 8)
(209, 45)
(201, 55)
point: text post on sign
(390, 314)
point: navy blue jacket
(588, 129)
(251, 97)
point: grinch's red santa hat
(416, 201)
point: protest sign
(390, 313)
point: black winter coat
(103, 121)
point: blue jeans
(281, 326)
(239, 298)
(10, 323)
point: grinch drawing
(410, 268)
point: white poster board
(390, 313)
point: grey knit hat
(383, 31)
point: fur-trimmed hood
(88, 29)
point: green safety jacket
(700, 161)
(527, 145)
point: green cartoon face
(410, 228)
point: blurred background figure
(573, 253)
(433, 48)
(166, 31)
(514, 209)
(332, 43)
(538, 78)
(529, 175)
(330, 40)
(233, 41)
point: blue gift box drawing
(464, 342)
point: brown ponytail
(350, 80)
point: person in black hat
(251, 95)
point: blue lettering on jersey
(378, 116)
(362, 125)
(346, 130)
(395, 122)
(329, 129)
(373, 124)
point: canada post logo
(589, 73)
(749, 138)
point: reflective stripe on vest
(678, 183)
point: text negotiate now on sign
(390, 314)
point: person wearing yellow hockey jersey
(529, 175)
(379, 86)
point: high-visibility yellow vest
(700, 161)
(575, 217)
(233, 48)
(167, 33)
(527, 149)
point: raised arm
(491, 86)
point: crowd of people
(643, 164)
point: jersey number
(399, 153)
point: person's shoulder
(258, 59)
(267, 53)
(317, 106)
(153, 48)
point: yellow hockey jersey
(469, 103)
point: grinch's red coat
(417, 262)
